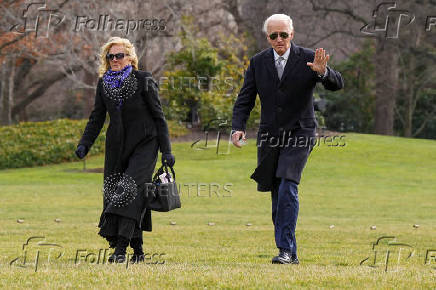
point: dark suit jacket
(286, 104)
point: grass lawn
(387, 182)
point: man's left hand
(320, 60)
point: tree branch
(45, 85)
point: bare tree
(69, 52)
(20, 51)
(386, 61)
(417, 74)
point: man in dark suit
(284, 76)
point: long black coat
(136, 131)
(286, 108)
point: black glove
(81, 151)
(168, 159)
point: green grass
(373, 180)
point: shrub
(39, 143)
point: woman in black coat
(136, 131)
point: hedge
(30, 144)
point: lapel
(293, 60)
(270, 65)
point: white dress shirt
(286, 56)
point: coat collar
(294, 58)
(285, 55)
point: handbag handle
(162, 169)
(165, 166)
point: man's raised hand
(320, 60)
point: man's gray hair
(277, 17)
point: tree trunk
(7, 90)
(410, 99)
(1, 92)
(90, 79)
(386, 61)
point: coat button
(279, 109)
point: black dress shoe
(284, 257)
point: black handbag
(161, 195)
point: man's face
(279, 44)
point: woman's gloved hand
(81, 151)
(168, 159)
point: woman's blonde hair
(130, 50)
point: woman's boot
(112, 241)
(119, 256)
(138, 253)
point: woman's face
(118, 64)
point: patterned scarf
(115, 79)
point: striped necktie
(280, 67)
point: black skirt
(115, 225)
(139, 165)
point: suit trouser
(285, 206)
(281, 161)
